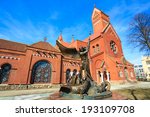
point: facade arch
(5, 73)
(126, 73)
(41, 72)
(68, 74)
(74, 72)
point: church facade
(41, 63)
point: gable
(96, 17)
(95, 13)
(105, 24)
(44, 45)
(112, 31)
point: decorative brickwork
(106, 58)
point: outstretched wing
(66, 50)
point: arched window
(126, 73)
(4, 73)
(99, 73)
(131, 73)
(94, 50)
(74, 72)
(67, 75)
(120, 74)
(98, 48)
(41, 72)
(113, 47)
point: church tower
(107, 58)
(99, 20)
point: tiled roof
(45, 46)
(66, 44)
(92, 37)
(9, 45)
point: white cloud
(120, 16)
(127, 9)
(136, 60)
(27, 32)
(2, 36)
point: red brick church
(41, 63)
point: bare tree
(139, 32)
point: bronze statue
(86, 85)
(85, 69)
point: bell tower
(99, 20)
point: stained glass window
(4, 73)
(41, 72)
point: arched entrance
(41, 72)
(4, 73)
(68, 75)
(98, 76)
(74, 72)
(74, 77)
(126, 73)
(105, 75)
(98, 71)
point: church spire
(45, 39)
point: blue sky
(29, 21)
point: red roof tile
(45, 46)
(9, 45)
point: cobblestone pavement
(35, 94)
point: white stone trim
(9, 57)
(95, 10)
(96, 22)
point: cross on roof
(72, 36)
(45, 39)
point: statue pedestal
(103, 96)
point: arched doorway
(74, 72)
(105, 75)
(74, 77)
(41, 72)
(126, 73)
(98, 76)
(68, 75)
(4, 73)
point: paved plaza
(36, 94)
